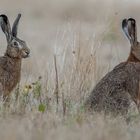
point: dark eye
(15, 43)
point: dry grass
(73, 44)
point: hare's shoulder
(118, 72)
(3, 65)
(114, 78)
(120, 66)
(128, 67)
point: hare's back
(113, 89)
(122, 77)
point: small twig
(17, 92)
(63, 104)
(56, 82)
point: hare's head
(16, 48)
(130, 30)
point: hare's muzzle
(25, 53)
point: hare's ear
(130, 30)
(15, 25)
(5, 26)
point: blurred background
(73, 43)
(85, 37)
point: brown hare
(10, 63)
(118, 88)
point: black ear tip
(5, 18)
(19, 15)
(132, 20)
(124, 20)
(124, 23)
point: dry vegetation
(73, 44)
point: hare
(10, 63)
(118, 88)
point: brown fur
(132, 58)
(9, 74)
(118, 88)
(10, 63)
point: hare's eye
(15, 43)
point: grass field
(73, 44)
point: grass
(73, 45)
(36, 112)
(51, 107)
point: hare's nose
(27, 53)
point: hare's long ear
(15, 25)
(5, 26)
(130, 30)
